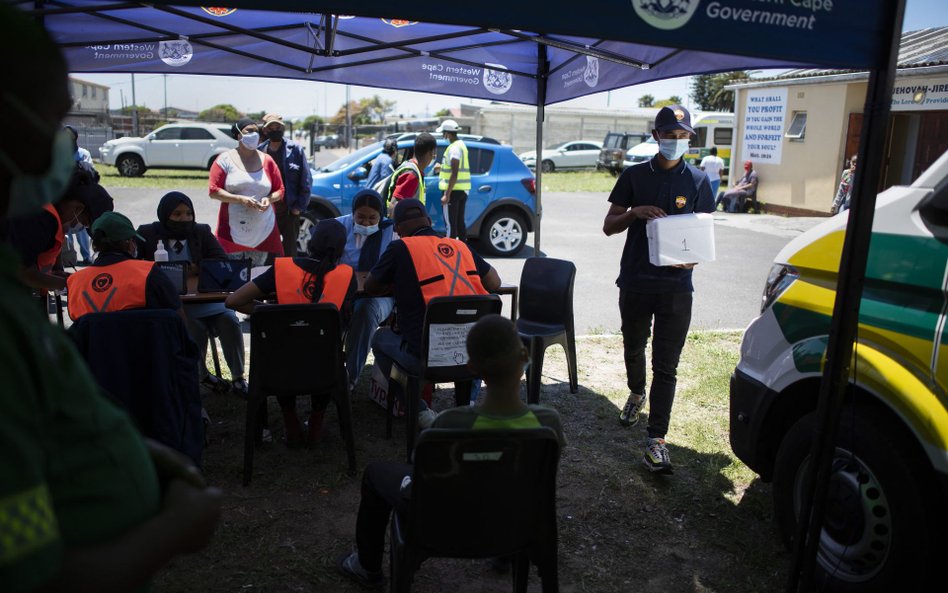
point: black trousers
(289, 225)
(381, 494)
(672, 318)
(454, 216)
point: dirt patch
(707, 528)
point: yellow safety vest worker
(463, 182)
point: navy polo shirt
(681, 190)
(395, 266)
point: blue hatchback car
(501, 205)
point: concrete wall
(809, 171)
(517, 126)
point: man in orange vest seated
(319, 278)
(417, 268)
(38, 239)
(117, 281)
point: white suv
(190, 145)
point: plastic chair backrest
(478, 493)
(283, 335)
(444, 343)
(546, 290)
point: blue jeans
(226, 328)
(715, 185)
(83, 238)
(367, 314)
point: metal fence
(92, 138)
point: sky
(298, 99)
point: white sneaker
(426, 418)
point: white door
(164, 148)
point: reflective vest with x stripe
(445, 267)
(99, 289)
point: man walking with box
(662, 186)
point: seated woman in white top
(368, 234)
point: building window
(85, 91)
(797, 129)
(93, 92)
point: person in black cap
(662, 186)
(319, 278)
(187, 241)
(411, 269)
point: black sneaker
(348, 566)
(656, 457)
(629, 416)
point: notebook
(223, 275)
(176, 271)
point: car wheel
(308, 222)
(547, 166)
(503, 234)
(130, 165)
(879, 526)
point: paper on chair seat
(680, 239)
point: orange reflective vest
(445, 267)
(100, 289)
(294, 285)
(46, 260)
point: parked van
(612, 156)
(886, 513)
(712, 130)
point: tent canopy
(589, 47)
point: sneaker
(656, 457)
(214, 384)
(629, 416)
(426, 418)
(348, 565)
(240, 388)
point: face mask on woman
(250, 140)
(179, 229)
(361, 229)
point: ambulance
(712, 130)
(885, 523)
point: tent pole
(834, 385)
(543, 68)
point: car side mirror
(358, 174)
(150, 137)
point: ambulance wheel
(503, 234)
(130, 165)
(879, 528)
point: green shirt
(468, 417)
(73, 469)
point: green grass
(568, 181)
(155, 178)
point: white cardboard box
(680, 239)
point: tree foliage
(646, 101)
(365, 111)
(707, 90)
(223, 113)
(312, 120)
(443, 113)
(673, 100)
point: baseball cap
(449, 125)
(115, 227)
(673, 117)
(271, 118)
(409, 209)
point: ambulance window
(797, 130)
(934, 211)
(702, 134)
(722, 136)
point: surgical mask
(361, 229)
(672, 148)
(179, 229)
(251, 140)
(29, 193)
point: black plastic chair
(441, 311)
(282, 333)
(480, 494)
(546, 317)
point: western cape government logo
(591, 75)
(218, 10)
(666, 14)
(175, 53)
(497, 81)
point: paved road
(727, 291)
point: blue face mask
(672, 148)
(361, 229)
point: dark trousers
(289, 225)
(672, 315)
(381, 494)
(454, 216)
